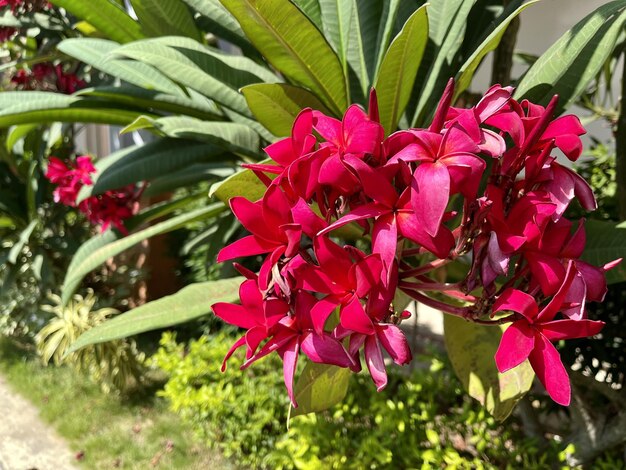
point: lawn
(110, 431)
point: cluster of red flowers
(108, 209)
(478, 184)
(47, 77)
(19, 7)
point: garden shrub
(423, 420)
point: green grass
(134, 432)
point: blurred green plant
(114, 364)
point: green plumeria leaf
(575, 59)
(107, 16)
(292, 44)
(471, 349)
(399, 69)
(189, 303)
(319, 387)
(276, 105)
(99, 249)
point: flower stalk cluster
(479, 186)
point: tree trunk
(620, 149)
(503, 55)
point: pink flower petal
(443, 107)
(594, 279)
(360, 135)
(239, 343)
(493, 101)
(375, 185)
(367, 211)
(393, 340)
(321, 311)
(246, 246)
(576, 298)
(234, 315)
(385, 238)
(547, 270)
(555, 305)
(289, 354)
(353, 317)
(569, 329)
(516, 301)
(431, 191)
(518, 340)
(325, 350)
(375, 362)
(329, 128)
(304, 216)
(367, 274)
(547, 364)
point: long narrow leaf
(466, 72)
(446, 24)
(227, 135)
(208, 71)
(146, 162)
(399, 69)
(106, 16)
(292, 44)
(155, 100)
(189, 303)
(575, 59)
(95, 52)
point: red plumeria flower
(276, 228)
(357, 134)
(70, 179)
(385, 336)
(108, 209)
(393, 215)
(530, 337)
(67, 83)
(344, 281)
(448, 164)
(295, 333)
(255, 314)
(398, 190)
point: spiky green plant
(114, 364)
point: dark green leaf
(490, 42)
(146, 162)
(227, 135)
(96, 52)
(206, 70)
(606, 242)
(446, 29)
(243, 183)
(166, 17)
